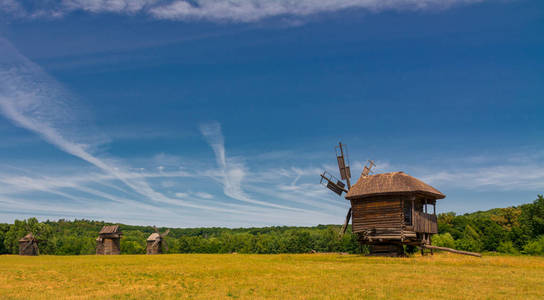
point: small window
(408, 212)
(429, 208)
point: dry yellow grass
(307, 276)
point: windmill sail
(337, 187)
(367, 169)
(345, 172)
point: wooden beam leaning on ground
(451, 250)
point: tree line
(512, 230)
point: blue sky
(223, 113)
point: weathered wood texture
(451, 250)
(377, 213)
(389, 184)
(392, 209)
(156, 243)
(426, 223)
(28, 245)
(108, 246)
(109, 241)
(154, 247)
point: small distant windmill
(156, 244)
(28, 245)
(338, 186)
(108, 241)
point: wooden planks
(108, 246)
(381, 219)
(451, 250)
(382, 212)
(426, 223)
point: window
(408, 212)
(428, 207)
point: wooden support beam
(345, 226)
(450, 250)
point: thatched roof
(153, 237)
(27, 238)
(110, 229)
(391, 183)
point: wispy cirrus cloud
(215, 10)
(498, 177)
(230, 172)
(204, 195)
(33, 100)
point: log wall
(383, 214)
(108, 246)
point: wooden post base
(389, 250)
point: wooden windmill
(338, 186)
(156, 243)
(108, 241)
(28, 245)
(388, 210)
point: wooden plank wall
(425, 223)
(377, 213)
(108, 246)
(153, 249)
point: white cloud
(31, 99)
(204, 195)
(97, 6)
(218, 10)
(498, 177)
(181, 195)
(230, 173)
(168, 184)
(34, 101)
(84, 188)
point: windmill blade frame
(164, 244)
(343, 168)
(28, 244)
(337, 187)
(345, 173)
(346, 223)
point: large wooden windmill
(156, 244)
(388, 210)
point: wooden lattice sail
(156, 244)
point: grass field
(238, 276)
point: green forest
(511, 230)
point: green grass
(302, 276)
